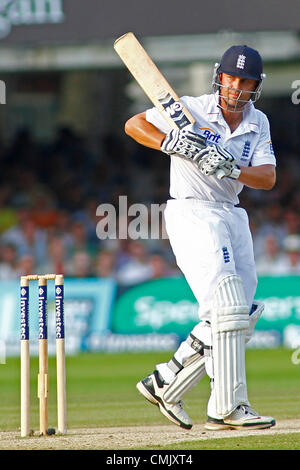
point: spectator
(80, 265)
(87, 216)
(159, 266)
(43, 211)
(106, 264)
(62, 230)
(269, 262)
(272, 223)
(8, 263)
(291, 262)
(8, 215)
(27, 265)
(80, 240)
(56, 261)
(27, 238)
(137, 269)
(292, 222)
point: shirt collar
(248, 124)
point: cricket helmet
(244, 62)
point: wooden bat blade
(154, 84)
(152, 81)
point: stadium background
(63, 152)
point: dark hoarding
(66, 21)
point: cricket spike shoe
(243, 417)
(153, 388)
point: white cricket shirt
(250, 144)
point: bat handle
(220, 174)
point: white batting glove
(215, 158)
(229, 170)
(183, 142)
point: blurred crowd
(49, 195)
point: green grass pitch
(101, 393)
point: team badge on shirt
(246, 151)
(226, 255)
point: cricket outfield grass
(105, 409)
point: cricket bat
(153, 83)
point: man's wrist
(235, 174)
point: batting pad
(192, 371)
(230, 321)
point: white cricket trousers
(210, 241)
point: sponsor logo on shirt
(210, 134)
(271, 147)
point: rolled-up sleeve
(154, 117)
(264, 153)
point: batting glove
(183, 142)
(229, 170)
(215, 158)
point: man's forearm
(258, 177)
(144, 132)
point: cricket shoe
(153, 388)
(243, 417)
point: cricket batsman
(228, 147)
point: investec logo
(59, 312)
(28, 12)
(42, 314)
(24, 313)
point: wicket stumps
(43, 353)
